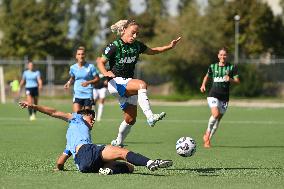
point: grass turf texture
(247, 152)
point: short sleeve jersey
(123, 57)
(220, 88)
(82, 74)
(77, 133)
(31, 78)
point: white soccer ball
(185, 146)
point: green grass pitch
(247, 152)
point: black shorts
(88, 158)
(84, 102)
(33, 91)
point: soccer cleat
(155, 118)
(115, 143)
(207, 144)
(153, 166)
(159, 163)
(105, 171)
(32, 117)
(163, 163)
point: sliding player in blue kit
(92, 158)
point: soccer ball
(185, 146)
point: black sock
(30, 111)
(34, 111)
(136, 159)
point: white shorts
(214, 102)
(117, 87)
(99, 93)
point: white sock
(211, 123)
(214, 129)
(123, 131)
(100, 111)
(144, 103)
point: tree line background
(40, 28)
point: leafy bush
(252, 81)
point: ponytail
(118, 27)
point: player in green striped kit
(222, 75)
(122, 55)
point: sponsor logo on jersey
(131, 51)
(127, 60)
(219, 79)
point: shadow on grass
(214, 171)
(149, 174)
(248, 146)
(143, 142)
(128, 143)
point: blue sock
(136, 159)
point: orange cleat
(207, 144)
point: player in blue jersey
(83, 75)
(222, 74)
(122, 56)
(32, 80)
(90, 157)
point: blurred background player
(33, 83)
(15, 89)
(83, 75)
(92, 158)
(222, 74)
(99, 94)
(122, 55)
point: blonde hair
(81, 48)
(118, 27)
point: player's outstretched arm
(157, 50)
(46, 110)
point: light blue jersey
(77, 133)
(31, 78)
(85, 73)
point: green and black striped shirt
(220, 88)
(123, 57)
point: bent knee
(130, 121)
(217, 115)
(142, 84)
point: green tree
(260, 30)
(34, 28)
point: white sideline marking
(166, 120)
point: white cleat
(159, 163)
(105, 171)
(32, 117)
(115, 143)
(155, 118)
(163, 163)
